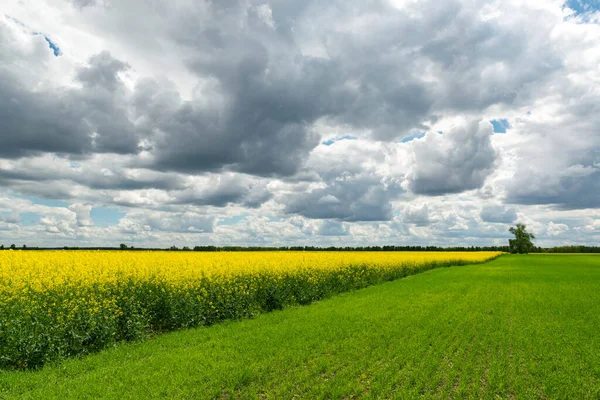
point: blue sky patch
(329, 142)
(53, 46)
(500, 125)
(417, 135)
(30, 219)
(583, 6)
(106, 216)
(44, 202)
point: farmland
(56, 304)
(519, 326)
(516, 327)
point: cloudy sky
(346, 122)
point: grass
(517, 327)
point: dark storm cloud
(260, 125)
(105, 106)
(66, 121)
(39, 122)
(262, 90)
(266, 92)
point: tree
(123, 246)
(13, 247)
(522, 242)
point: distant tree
(206, 248)
(1, 247)
(522, 242)
(24, 246)
(12, 246)
(123, 246)
(185, 248)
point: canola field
(57, 304)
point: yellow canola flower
(91, 299)
(44, 270)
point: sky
(275, 123)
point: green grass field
(517, 327)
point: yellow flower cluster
(55, 304)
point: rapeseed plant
(56, 304)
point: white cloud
(265, 13)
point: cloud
(418, 216)
(83, 3)
(355, 198)
(554, 148)
(333, 228)
(594, 225)
(555, 229)
(258, 91)
(180, 222)
(82, 212)
(186, 113)
(453, 162)
(11, 217)
(224, 189)
(498, 214)
(57, 227)
(96, 173)
(577, 187)
(351, 182)
(62, 120)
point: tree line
(574, 249)
(507, 249)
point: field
(57, 304)
(517, 327)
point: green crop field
(517, 327)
